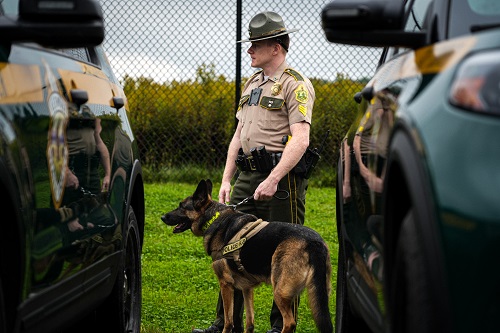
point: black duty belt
(260, 160)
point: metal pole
(238, 58)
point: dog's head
(190, 210)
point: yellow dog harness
(233, 248)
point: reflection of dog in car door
(247, 251)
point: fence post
(237, 82)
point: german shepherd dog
(247, 251)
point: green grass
(179, 287)
(323, 176)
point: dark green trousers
(288, 205)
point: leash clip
(276, 196)
(244, 201)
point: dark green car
(71, 187)
(418, 190)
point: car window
(9, 7)
(80, 54)
(470, 16)
(417, 14)
(485, 7)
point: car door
(63, 103)
(363, 168)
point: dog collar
(209, 223)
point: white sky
(168, 40)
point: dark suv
(418, 189)
(71, 188)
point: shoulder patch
(301, 94)
(296, 75)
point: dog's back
(292, 257)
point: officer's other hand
(224, 192)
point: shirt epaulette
(296, 75)
(255, 74)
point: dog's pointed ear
(201, 190)
(201, 195)
(209, 187)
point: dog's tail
(319, 288)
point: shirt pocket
(274, 117)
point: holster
(259, 161)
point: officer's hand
(265, 190)
(224, 192)
(105, 184)
(72, 180)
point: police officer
(276, 102)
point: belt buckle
(251, 163)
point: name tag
(234, 246)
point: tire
(345, 320)
(3, 327)
(343, 314)
(123, 308)
(412, 307)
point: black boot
(211, 329)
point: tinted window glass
(468, 16)
(485, 7)
(79, 54)
(416, 16)
(8, 7)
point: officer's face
(261, 53)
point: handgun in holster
(310, 159)
(265, 159)
(255, 158)
(241, 160)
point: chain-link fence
(182, 71)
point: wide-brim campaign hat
(266, 25)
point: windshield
(473, 15)
(485, 7)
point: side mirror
(368, 23)
(363, 15)
(79, 97)
(358, 98)
(55, 23)
(118, 103)
(59, 10)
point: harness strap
(233, 248)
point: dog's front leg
(226, 284)
(227, 292)
(249, 312)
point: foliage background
(178, 62)
(204, 123)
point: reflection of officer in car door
(370, 150)
(58, 228)
(86, 152)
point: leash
(276, 196)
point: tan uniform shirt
(286, 98)
(374, 129)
